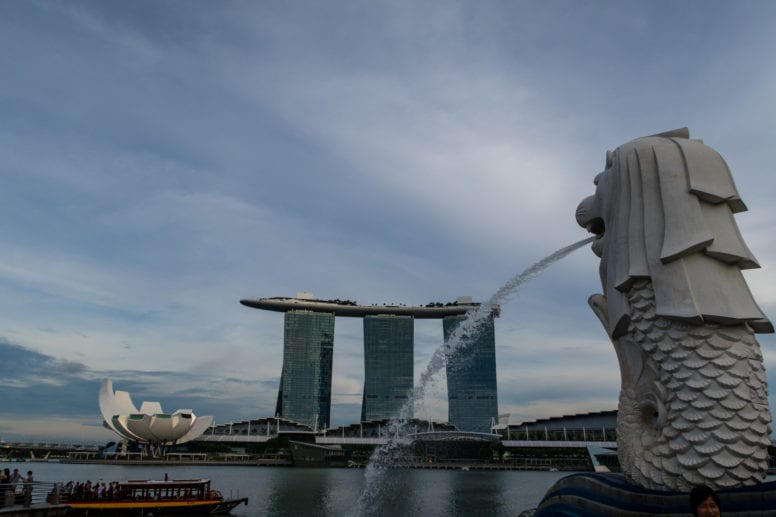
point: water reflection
(299, 491)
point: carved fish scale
(697, 411)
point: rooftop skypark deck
(353, 310)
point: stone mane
(667, 204)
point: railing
(29, 494)
(563, 434)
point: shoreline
(287, 464)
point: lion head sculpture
(693, 403)
(663, 210)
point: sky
(161, 161)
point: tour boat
(147, 497)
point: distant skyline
(161, 163)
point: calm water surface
(280, 491)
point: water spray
(458, 340)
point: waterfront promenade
(184, 459)
(36, 499)
(526, 455)
(557, 463)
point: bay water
(293, 491)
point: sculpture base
(594, 495)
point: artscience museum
(148, 426)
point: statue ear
(682, 132)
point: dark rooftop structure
(353, 310)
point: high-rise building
(388, 365)
(305, 382)
(471, 376)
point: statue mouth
(596, 226)
(588, 217)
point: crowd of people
(115, 491)
(13, 484)
(88, 491)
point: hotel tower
(308, 345)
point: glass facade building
(388, 365)
(471, 377)
(305, 382)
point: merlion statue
(693, 403)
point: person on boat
(704, 502)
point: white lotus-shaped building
(149, 425)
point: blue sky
(162, 160)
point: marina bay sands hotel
(308, 345)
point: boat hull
(156, 508)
